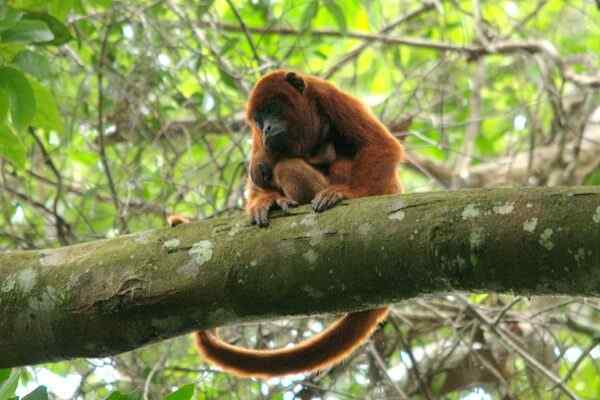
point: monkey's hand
(259, 207)
(261, 173)
(329, 197)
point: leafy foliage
(21, 28)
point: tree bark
(105, 297)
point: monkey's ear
(296, 81)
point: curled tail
(321, 351)
(325, 349)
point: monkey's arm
(297, 182)
(260, 167)
(371, 172)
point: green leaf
(47, 114)
(28, 31)
(22, 100)
(8, 51)
(4, 374)
(61, 8)
(120, 396)
(227, 79)
(9, 18)
(40, 393)
(11, 149)
(337, 13)
(4, 104)
(103, 3)
(230, 43)
(310, 12)
(33, 63)
(8, 388)
(183, 393)
(60, 32)
(203, 6)
(478, 298)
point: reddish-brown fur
(177, 219)
(319, 352)
(373, 167)
(370, 170)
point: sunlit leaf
(9, 17)
(60, 32)
(9, 386)
(11, 147)
(22, 100)
(310, 12)
(183, 393)
(60, 8)
(47, 114)
(337, 13)
(27, 31)
(121, 396)
(4, 105)
(33, 63)
(4, 374)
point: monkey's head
(284, 113)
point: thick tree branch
(105, 297)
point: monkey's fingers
(285, 203)
(260, 216)
(326, 199)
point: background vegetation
(115, 113)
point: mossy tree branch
(105, 297)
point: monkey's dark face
(273, 125)
(284, 116)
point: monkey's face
(283, 115)
(275, 131)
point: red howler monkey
(292, 118)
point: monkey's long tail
(324, 350)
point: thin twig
(415, 368)
(472, 132)
(203, 40)
(62, 228)
(506, 309)
(578, 362)
(383, 368)
(352, 54)
(511, 344)
(528, 17)
(246, 33)
(159, 364)
(102, 149)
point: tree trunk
(105, 297)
